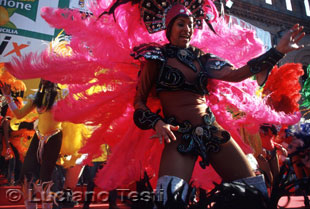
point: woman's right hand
(164, 130)
(5, 89)
(290, 40)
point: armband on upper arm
(265, 61)
(145, 119)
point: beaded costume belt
(200, 140)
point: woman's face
(182, 31)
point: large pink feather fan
(101, 76)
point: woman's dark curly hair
(46, 95)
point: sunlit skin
(182, 32)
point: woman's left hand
(289, 42)
(165, 131)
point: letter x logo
(16, 49)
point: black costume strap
(265, 61)
(145, 119)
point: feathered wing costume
(18, 137)
(74, 135)
(101, 60)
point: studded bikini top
(173, 79)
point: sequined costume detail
(200, 140)
(172, 79)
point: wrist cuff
(265, 61)
(145, 119)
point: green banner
(22, 17)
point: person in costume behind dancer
(298, 141)
(10, 151)
(179, 72)
(268, 159)
(45, 146)
(5, 148)
(91, 171)
(281, 96)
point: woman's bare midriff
(183, 105)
